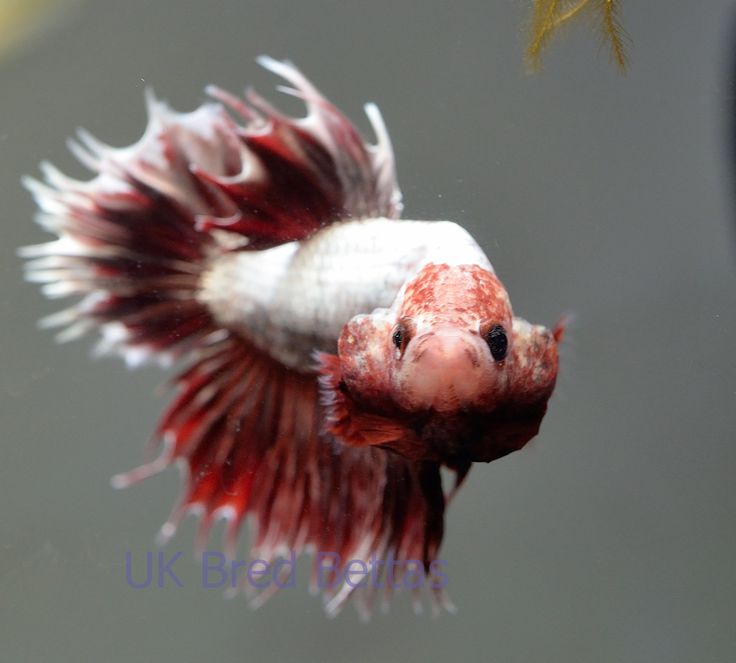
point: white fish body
(295, 298)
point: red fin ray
(253, 444)
(135, 239)
(134, 243)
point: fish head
(450, 350)
(450, 337)
(451, 343)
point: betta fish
(334, 358)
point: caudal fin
(134, 240)
(132, 246)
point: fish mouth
(443, 370)
(443, 350)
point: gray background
(611, 537)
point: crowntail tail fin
(133, 244)
(135, 240)
(250, 435)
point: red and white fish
(336, 357)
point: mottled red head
(448, 346)
(447, 373)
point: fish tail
(134, 241)
(134, 244)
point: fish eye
(402, 333)
(498, 343)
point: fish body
(296, 298)
(334, 357)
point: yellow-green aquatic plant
(549, 15)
